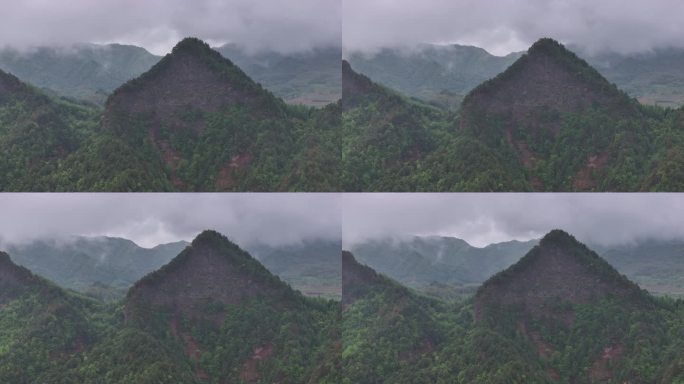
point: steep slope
(561, 120)
(581, 316)
(387, 329)
(232, 318)
(41, 327)
(550, 122)
(558, 269)
(393, 143)
(384, 135)
(311, 77)
(14, 280)
(87, 72)
(312, 266)
(36, 134)
(559, 315)
(195, 121)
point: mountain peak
(211, 270)
(560, 269)
(547, 45)
(191, 44)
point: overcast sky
(481, 219)
(504, 26)
(282, 25)
(151, 219)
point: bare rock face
(558, 270)
(211, 270)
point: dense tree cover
(393, 334)
(603, 141)
(49, 335)
(253, 142)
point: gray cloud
(284, 26)
(480, 219)
(150, 219)
(503, 26)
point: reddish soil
(526, 157)
(225, 181)
(600, 371)
(544, 350)
(583, 180)
(192, 348)
(249, 371)
(170, 157)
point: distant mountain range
(213, 313)
(560, 314)
(549, 122)
(91, 72)
(106, 267)
(446, 266)
(194, 121)
(442, 74)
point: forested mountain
(37, 133)
(91, 72)
(213, 314)
(86, 72)
(549, 122)
(194, 121)
(449, 267)
(442, 74)
(105, 267)
(561, 314)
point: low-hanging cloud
(283, 26)
(481, 219)
(151, 219)
(504, 26)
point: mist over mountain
(559, 314)
(450, 268)
(160, 132)
(212, 312)
(443, 74)
(549, 122)
(105, 267)
(91, 72)
(92, 265)
(87, 72)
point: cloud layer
(284, 25)
(503, 26)
(480, 219)
(151, 219)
